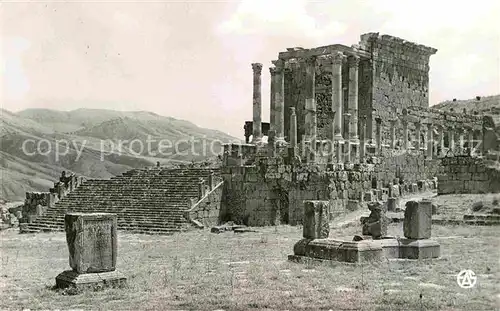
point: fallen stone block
(340, 251)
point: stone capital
(279, 64)
(337, 58)
(273, 70)
(292, 110)
(257, 68)
(353, 61)
(311, 60)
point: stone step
(134, 230)
(120, 219)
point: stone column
(257, 103)
(347, 143)
(272, 99)
(405, 134)
(293, 128)
(362, 139)
(310, 104)
(441, 141)
(279, 98)
(471, 140)
(353, 62)
(393, 133)
(451, 139)
(378, 135)
(417, 136)
(337, 103)
(461, 139)
(430, 140)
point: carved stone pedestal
(92, 244)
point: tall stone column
(441, 141)
(272, 99)
(461, 139)
(405, 134)
(393, 133)
(337, 103)
(378, 135)
(257, 103)
(353, 62)
(451, 139)
(293, 128)
(417, 136)
(347, 143)
(430, 140)
(310, 104)
(362, 139)
(471, 140)
(279, 98)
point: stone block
(316, 220)
(390, 247)
(92, 241)
(419, 249)
(417, 220)
(345, 251)
(90, 281)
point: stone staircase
(146, 200)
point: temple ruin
(346, 125)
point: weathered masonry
(347, 124)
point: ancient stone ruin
(349, 125)
(92, 243)
(374, 245)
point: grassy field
(204, 271)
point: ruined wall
(273, 192)
(400, 74)
(36, 203)
(407, 167)
(463, 174)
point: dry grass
(204, 271)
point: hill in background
(55, 141)
(487, 105)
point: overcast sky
(191, 60)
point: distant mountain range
(73, 140)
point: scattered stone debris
(230, 226)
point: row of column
(278, 103)
(432, 144)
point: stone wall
(463, 174)
(399, 75)
(207, 211)
(272, 191)
(407, 168)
